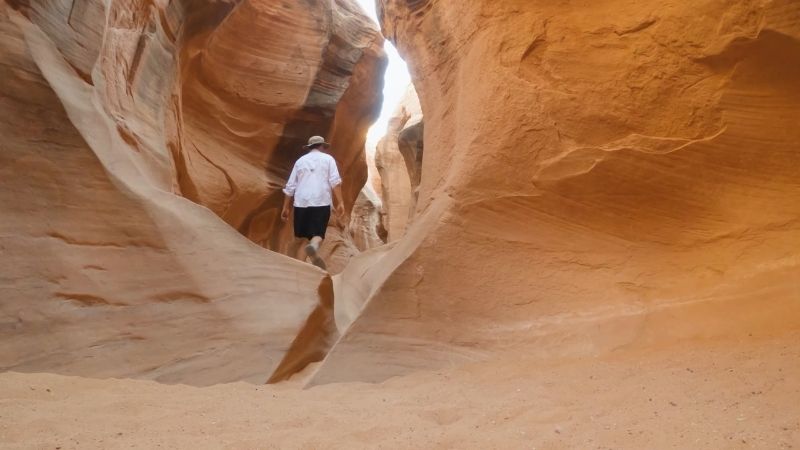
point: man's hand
(287, 208)
(339, 210)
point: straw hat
(316, 140)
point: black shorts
(311, 221)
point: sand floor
(725, 394)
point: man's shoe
(313, 253)
(311, 250)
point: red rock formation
(596, 176)
(112, 115)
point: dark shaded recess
(775, 52)
(314, 340)
(315, 118)
(410, 143)
(200, 15)
(381, 231)
(307, 122)
(189, 20)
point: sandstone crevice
(398, 160)
(109, 269)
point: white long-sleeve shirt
(313, 178)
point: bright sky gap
(396, 82)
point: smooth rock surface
(397, 166)
(114, 115)
(410, 142)
(596, 176)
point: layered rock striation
(143, 144)
(595, 176)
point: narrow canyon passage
(159, 112)
(580, 228)
(131, 251)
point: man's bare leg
(300, 250)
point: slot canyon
(581, 228)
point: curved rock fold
(139, 136)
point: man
(313, 179)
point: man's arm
(337, 197)
(291, 186)
(287, 207)
(336, 185)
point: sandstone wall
(395, 184)
(410, 142)
(596, 176)
(113, 114)
(396, 158)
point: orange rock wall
(596, 175)
(112, 115)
